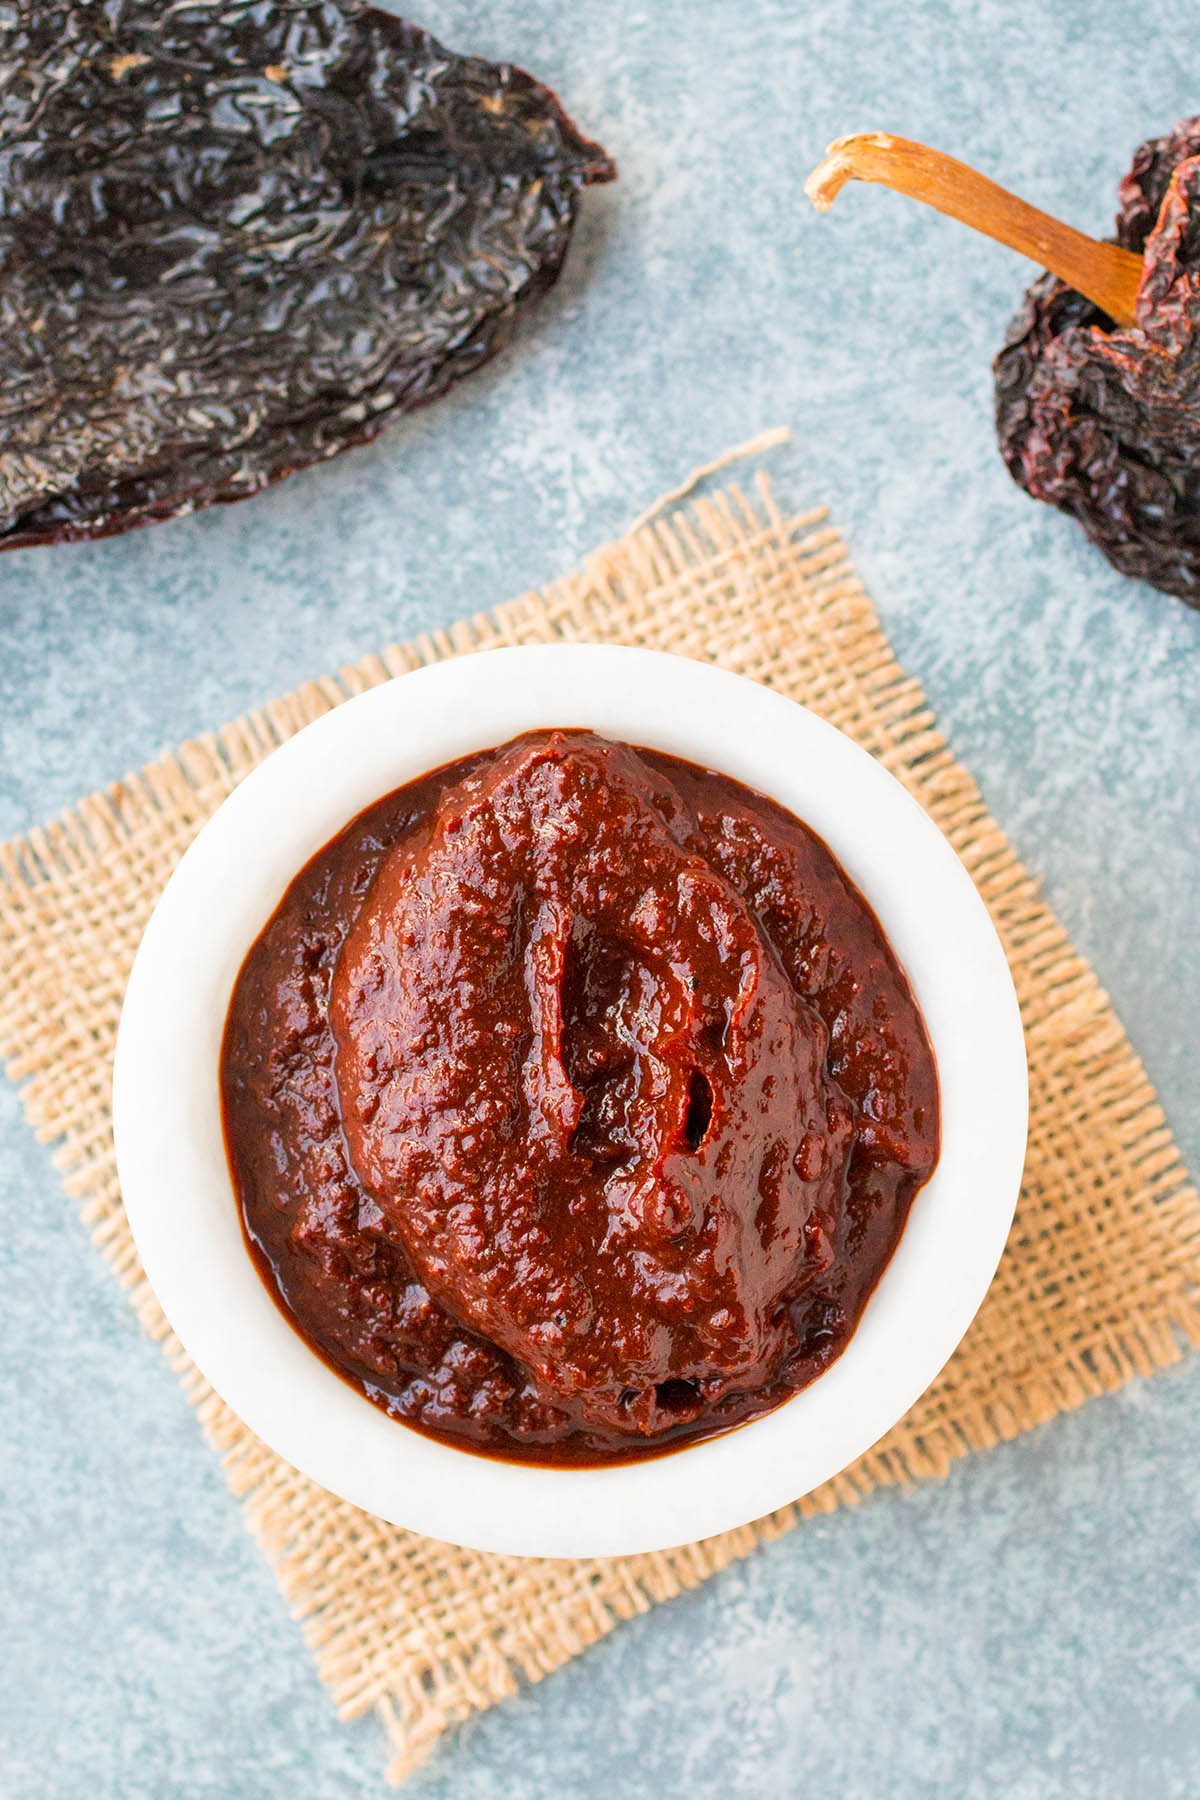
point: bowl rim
(170, 1149)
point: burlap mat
(1099, 1280)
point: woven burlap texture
(1099, 1279)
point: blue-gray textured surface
(1028, 1628)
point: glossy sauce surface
(575, 1102)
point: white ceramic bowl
(168, 1123)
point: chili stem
(1104, 274)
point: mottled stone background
(1030, 1627)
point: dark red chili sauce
(575, 1102)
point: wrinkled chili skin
(575, 1102)
(236, 239)
(1104, 423)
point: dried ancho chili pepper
(1105, 423)
(1098, 382)
(236, 238)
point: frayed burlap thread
(1099, 1279)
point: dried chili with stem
(1098, 382)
